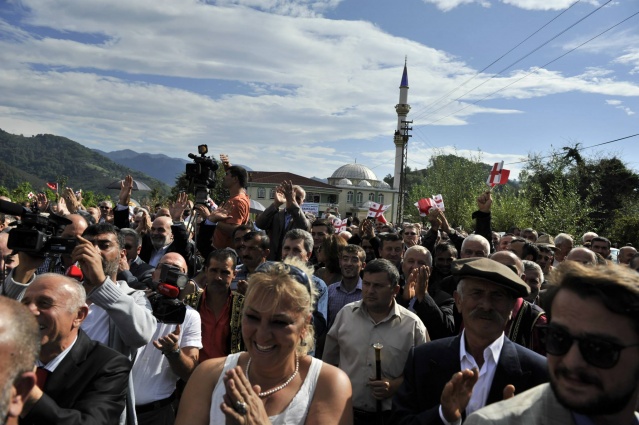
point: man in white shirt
(172, 353)
(451, 377)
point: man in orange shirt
(235, 211)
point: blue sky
(307, 86)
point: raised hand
(176, 209)
(169, 342)
(42, 202)
(126, 186)
(72, 202)
(224, 158)
(457, 392)
(90, 260)
(418, 278)
(485, 201)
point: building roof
(354, 171)
(277, 177)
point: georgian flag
(340, 225)
(498, 175)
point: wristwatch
(172, 354)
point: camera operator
(119, 316)
(172, 354)
(165, 235)
(233, 212)
(30, 265)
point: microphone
(10, 208)
(169, 291)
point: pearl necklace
(279, 387)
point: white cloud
(246, 77)
(448, 5)
(618, 104)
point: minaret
(400, 140)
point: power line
(537, 69)
(493, 62)
(579, 149)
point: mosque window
(349, 196)
(371, 197)
(380, 198)
(271, 194)
(360, 197)
(261, 193)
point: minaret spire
(401, 141)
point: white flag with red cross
(376, 210)
(340, 225)
(498, 175)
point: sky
(306, 86)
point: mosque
(351, 188)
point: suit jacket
(430, 366)
(537, 406)
(180, 244)
(87, 388)
(273, 221)
(139, 274)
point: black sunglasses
(596, 352)
(295, 272)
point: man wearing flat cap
(447, 379)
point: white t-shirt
(153, 378)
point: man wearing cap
(449, 378)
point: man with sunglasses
(449, 378)
(592, 343)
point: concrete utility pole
(401, 141)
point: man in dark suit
(166, 234)
(447, 379)
(80, 381)
(135, 272)
(277, 222)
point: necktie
(41, 375)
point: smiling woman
(275, 381)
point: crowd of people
(283, 320)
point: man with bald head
(625, 254)
(168, 234)
(583, 256)
(525, 327)
(171, 354)
(19, 349)
(79, 380)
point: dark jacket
(430, 366)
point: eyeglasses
(596, 352)
(295, 272)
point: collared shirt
(486, 373)
(241, 273)
(156, 256)
(349, 344)
(153, 378)
(215, 330)
(338, 297)
(53, 364)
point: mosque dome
(364, 183)
(345, 182)
(354, 171)
(384, 185)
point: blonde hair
(277, 285)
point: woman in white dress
(275, 381)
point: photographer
(29, 264)
(119, 316)
(172, 354)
